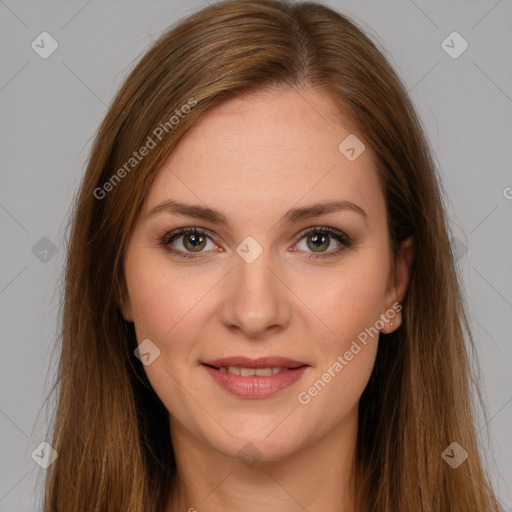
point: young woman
(261, 310)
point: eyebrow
(292, 215)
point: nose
(255, 298)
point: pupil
(194, 240)
(318, 240)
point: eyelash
(340, 237)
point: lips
(255, 378)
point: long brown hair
(110, 429)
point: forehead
(264, 149)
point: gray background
(50, 109)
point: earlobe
(391, 319)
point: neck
(317, 477)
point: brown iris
(197, 241)
(319, 241)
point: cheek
(347, 354)
(332, 396)
(349, 305)
(165, 307)
(161, 300)
(347, 301)
(153, 310)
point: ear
(123, 300)
(397, 285)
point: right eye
(194, 240)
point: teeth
(263, 372)
(248, 372)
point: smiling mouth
(249, 372)
(255, 378)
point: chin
(257, 440)
(250, 450)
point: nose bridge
(256, 299)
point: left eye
(317, 240)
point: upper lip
(260, 362)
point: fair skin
(254, 158)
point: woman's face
(301, 307)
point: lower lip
(256, 386)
